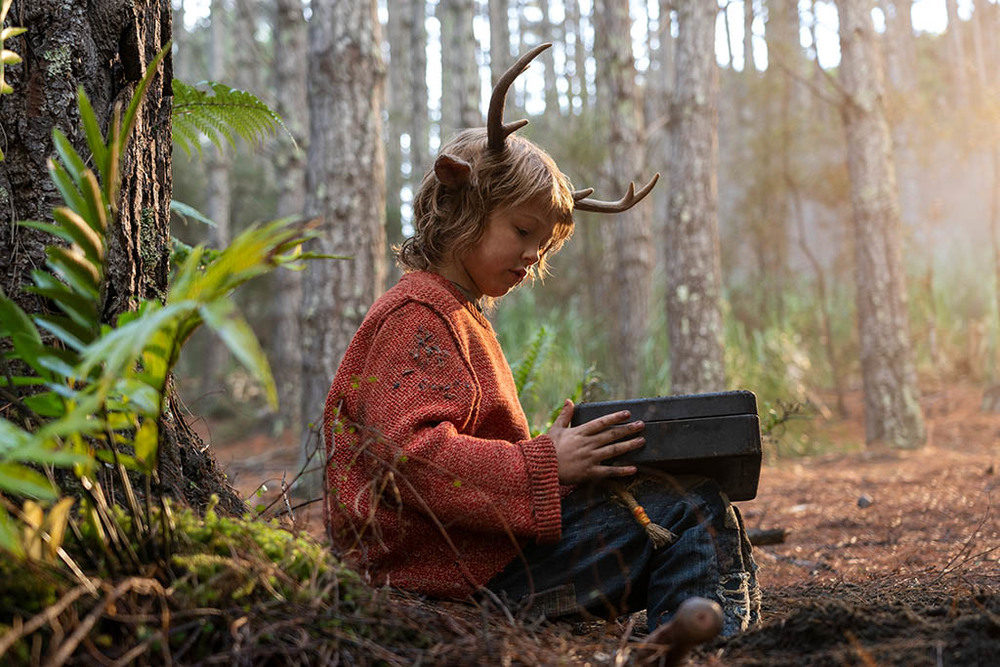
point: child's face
(513, 241)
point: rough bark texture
(693, 272)
(632, 230)
(460, 87)
(345, 183)
(290, 67)
(892, 408)
(103, 46)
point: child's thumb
(565, 415)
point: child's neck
(459, 277)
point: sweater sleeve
(421, 397)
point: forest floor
(891, 557)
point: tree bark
(892, 408)
(460, 88)
(632, 230)
(346, 187)
(290, 66)
(693, 264)
(103, 46)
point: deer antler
(496, 131)
(631, 198)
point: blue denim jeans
(605, 565)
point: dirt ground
(891, 557)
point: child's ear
(451, 171)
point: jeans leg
(712, 557)
(606, 566)
(597, 569)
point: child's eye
(522, 232)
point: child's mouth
(519, 273)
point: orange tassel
(658, 535)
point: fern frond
(220, 114)
(526, 368)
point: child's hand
(581, 450)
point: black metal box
(715, 435)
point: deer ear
(451, 171)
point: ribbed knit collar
(463, 301)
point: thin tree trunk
(633, 234)
(218, 193)
(748, 63)
(693, 265)
(500, 58)
(397, 99)
(418, 116)
(892, 407)
(957, 52)
(290, 67)
(552, 109)
(460, 87)
(346, 188)
(580, 57)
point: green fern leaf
(526, 369)
(220, 114)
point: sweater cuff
(543, 471)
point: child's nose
(531, 254)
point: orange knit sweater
(433, 477)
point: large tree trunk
(892, 407)
(460, 87)
(633, 234)
(693, 264)
(103, 46)
(290, 65)
(346, 189)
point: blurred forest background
(612, 101)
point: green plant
(220, 113)
(100, 390)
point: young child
(435, 484)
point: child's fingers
(619, 448)
(605, 422)
(605, 472)
(565, 415)
(617, 433)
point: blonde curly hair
(449, 221)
